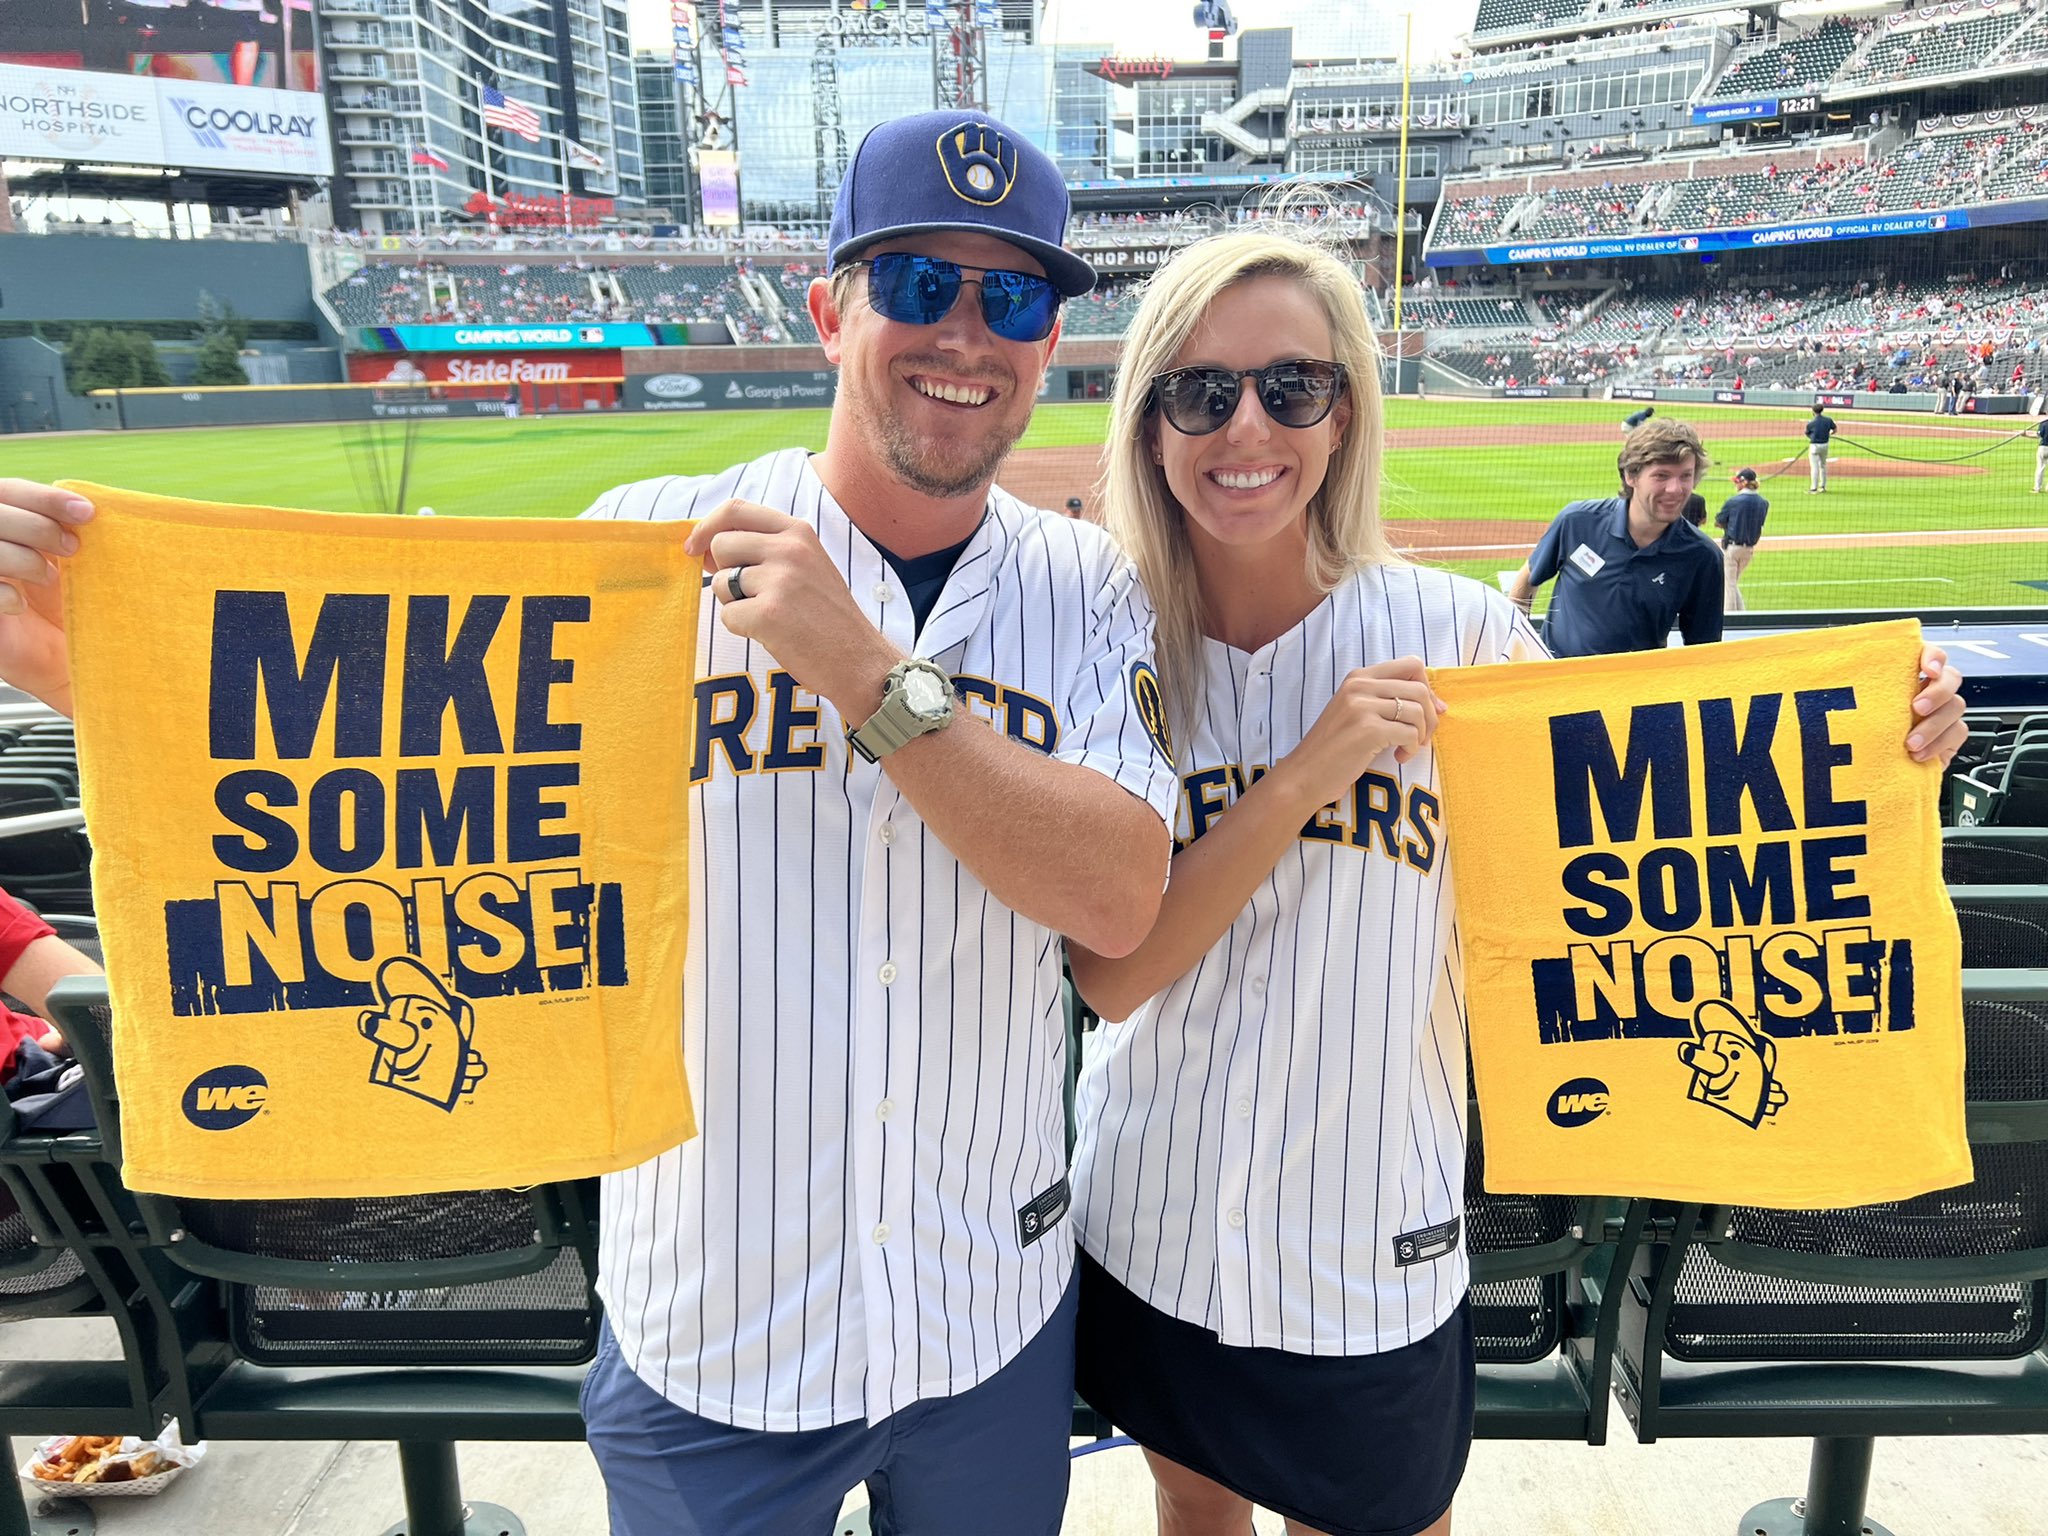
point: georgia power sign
(79, 115)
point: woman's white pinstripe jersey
(1255, 1141)
(876, 1045)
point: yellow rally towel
(389, 825)
(1708, 953)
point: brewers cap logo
(1150, 702)
(980, 164)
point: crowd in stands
(518, 293)
(1933, 170)
(1788, 63)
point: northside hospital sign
(84, 116)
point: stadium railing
(1915, 1317)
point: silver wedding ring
(733, 589)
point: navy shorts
(992, 1459)
(1354, 1445)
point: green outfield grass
(554, 466)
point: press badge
(1584, 558)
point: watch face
(926, 692)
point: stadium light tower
(960, 52)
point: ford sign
(674, 386)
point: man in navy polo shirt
(1629, 567)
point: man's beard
(942, 473)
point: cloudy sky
(1323, 28)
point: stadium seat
(405, 1319)
(2003, 926)
(1915, 1317)
(2001, 856)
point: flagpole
(1401, 197)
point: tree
(221, 334)
(148, 369)
(96, 359)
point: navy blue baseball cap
(957, 170)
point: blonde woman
(1270, 1168)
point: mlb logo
(1689, 243)
(1939, 221)
(591, 333)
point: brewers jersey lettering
(1274, 1147)
(870, 1214)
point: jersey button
(1236, 1219)
(887, 834)
(1258, 983)
(882, 1232)
(882, 592)
(885, 1109)
(888, 972)
(1244, 1109)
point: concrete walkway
(1930, 1487)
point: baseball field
(1922, 512)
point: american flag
(501, 111)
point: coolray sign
(1734, 111)
(503, 338)
(73, 115)
(243, 128)
(728, 391)
(1874, 227)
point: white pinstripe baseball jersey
(875, 1043)
(1274, 1147)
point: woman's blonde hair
(1344, 532)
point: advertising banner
(244, 128)
(1873, 227)
(226, 42)
(728, 391)
(718, 181)
(513, 338)
(79, 115)
(1734, 111)
(492, 368)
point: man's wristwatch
(917, 699)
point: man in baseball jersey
(928, 745)
(1630, 566)
(1741, 520)
(925, 752)
(1818, 432)
(2040, 453)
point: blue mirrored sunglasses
(922, 290)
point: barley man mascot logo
(1734, 1069)
(424, 1034)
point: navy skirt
(1355, 1445)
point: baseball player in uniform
(2040, 454)
(1741, 521)
(1818, 431)
(927, 746)
(1269, 1171)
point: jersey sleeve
(1115, 710)
(1502, 632)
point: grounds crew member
(1818, 431)
(1628, 567)
(1741, 520)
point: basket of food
(109, 1466)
